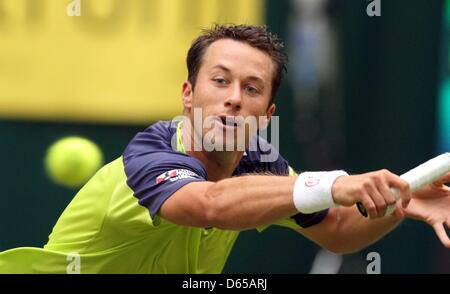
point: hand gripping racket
(418, 177)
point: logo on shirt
(175, 174)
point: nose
(234, 98)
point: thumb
(399, 213)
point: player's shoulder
(155, 150)
(262, 157)
(156, 138)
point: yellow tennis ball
(71, 161)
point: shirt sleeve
(156, 176)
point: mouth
(230, 121)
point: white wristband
(312, 190)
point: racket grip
(362, 209)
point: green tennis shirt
(112, 225)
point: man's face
(234, 83)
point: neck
(218, 164)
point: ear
(270, 111)
(264, 121)
(186, 94)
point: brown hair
(256, 36)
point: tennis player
(173, 204)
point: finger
(391, 197)
(388, 194)
(403, 187)
(369, 205)
(398, 212)
(442, 235)
(379, 201)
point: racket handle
(362, 209)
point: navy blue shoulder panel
(154, 170)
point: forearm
(250, 201)
(344, 230)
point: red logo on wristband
(312, 181)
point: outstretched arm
(237, 203)
(252, 201)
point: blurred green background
(387, 83)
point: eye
(252, 90)
(220, 81)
